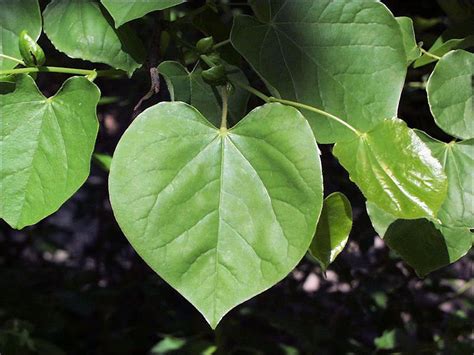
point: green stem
(224, 96)
(251, 90)
(294, 104)
(73, 71)
(425, 52)
(316, 110)
(221, 44)
(12, 59)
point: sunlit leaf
(451, 94)
(220, 215)
(46, 145)
(333, 229)
(126, 10)
(189, 87)
(16, 16)
(411, 46)
(395, 170)
(82, 29)
(346, 57)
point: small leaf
(395, 170)
(220, 215)
(190, 88)
(103, 160)
(46, 146)
(333, 229)
(425, 246)
(91, 36)
(125, 10)
(451, 94)
(16, 16)
(457, 159)
(411, 46)
(345, 57)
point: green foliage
(319, 60)
(47, 144)
(125, 11)
(15, 17)
(333, 230)
(91, 36)
(223, 214)
(252, 193)
(451, 94)
(395, 170)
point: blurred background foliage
(73, 285)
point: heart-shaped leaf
(395, 170)
(190, 88)
(46, 146)
(82, 29)
(125, 10)
(457, 159)
(16, 16)
(220, 215)
(346, 57)
(333, 229)
(451, 94)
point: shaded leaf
(457, 159)
(46, 146)
(346, 57)
(333, 229)
(425, 246)
(123, 11)
(195, 201)
(190, 88)
(395, 170)
(16, 16)
(451, 94)
(91, 36)
(411, 46)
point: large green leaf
(395, 170)
(411, 46)
(333, 229)
(457, 159)
(425, 246)
(16, 16)
(451, 94)
(126, 10)
(45, 148)
(220, 215)
(190, 88)
(82, 29)
(346, 57)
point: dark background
(73, 285)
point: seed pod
(215, 58)
(204, 45)
(31, 52)
(215, 76)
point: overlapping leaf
(220, 215)
(82, 29)
(395, 170)
(333, 229)
(457, 159)
(426, 246)
(451, 94)
(346, 57)
(16, 16)
(411, 47)
(125, 10)
(45, 148)
(190, 88)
